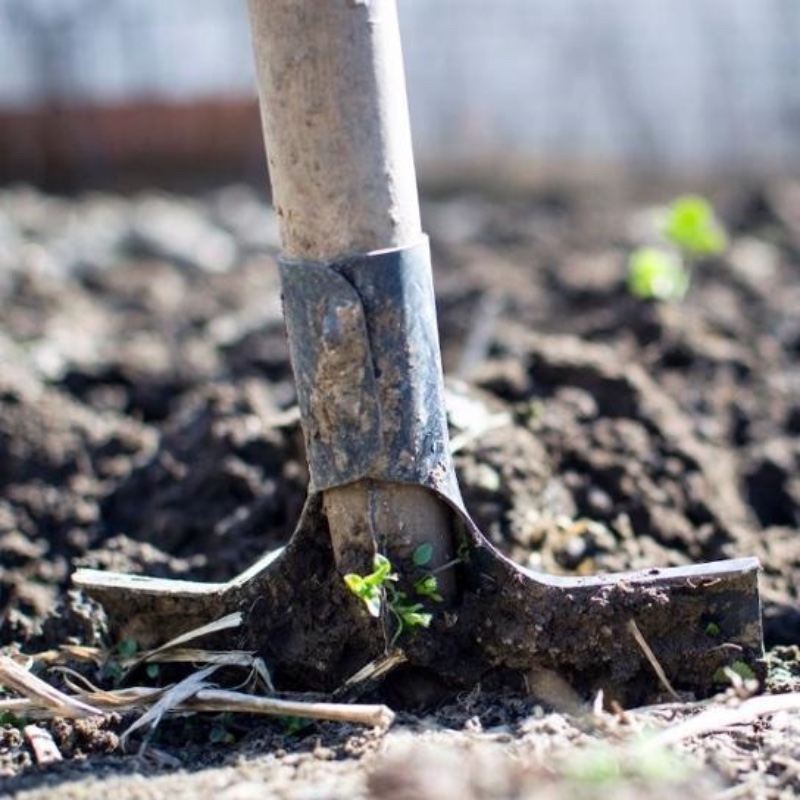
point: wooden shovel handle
(335, 117)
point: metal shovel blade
(298, 615)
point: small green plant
(379, 586)
(690, 231)
(423, 555)
(372, 587)
(712, 629)
(692, 227)
(123, 651)
(127, 648)
(428, 586)
(655, 274)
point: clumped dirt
(148, 424)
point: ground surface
(146, 426)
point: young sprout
(423, 554)
(408, 615)
(127, 648)
(655, 274)
(378, 585)
(428, 586)
(370, 588)
(693, 228)
(690, 231)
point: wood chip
(45, 750)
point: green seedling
(124, 650)
(693, 228)
(408, 615)
(428, 587)
(712, 629)
(690, 231)
(378, 586)
(371, 588)
(423, 555)
(655, 274)
(127, 648)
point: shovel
(360, 316)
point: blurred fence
(88, 86)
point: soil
(148, 424)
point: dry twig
(222, 700)
(377, 669)
(724, 716)
(194, 697)
(15, 677)
(169, 700)
(651, 657)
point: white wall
(706, 83)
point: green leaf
(152, 670)
(428, 587)
(423, 554)
(712, 629)
(373, 603)
(655, 274)
(364, 590)
(692, 226)
(416, 619)
(356, 584)
(127, 648)
(382, 571)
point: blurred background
(98, 92)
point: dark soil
(147, 424)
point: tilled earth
(147, 424)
